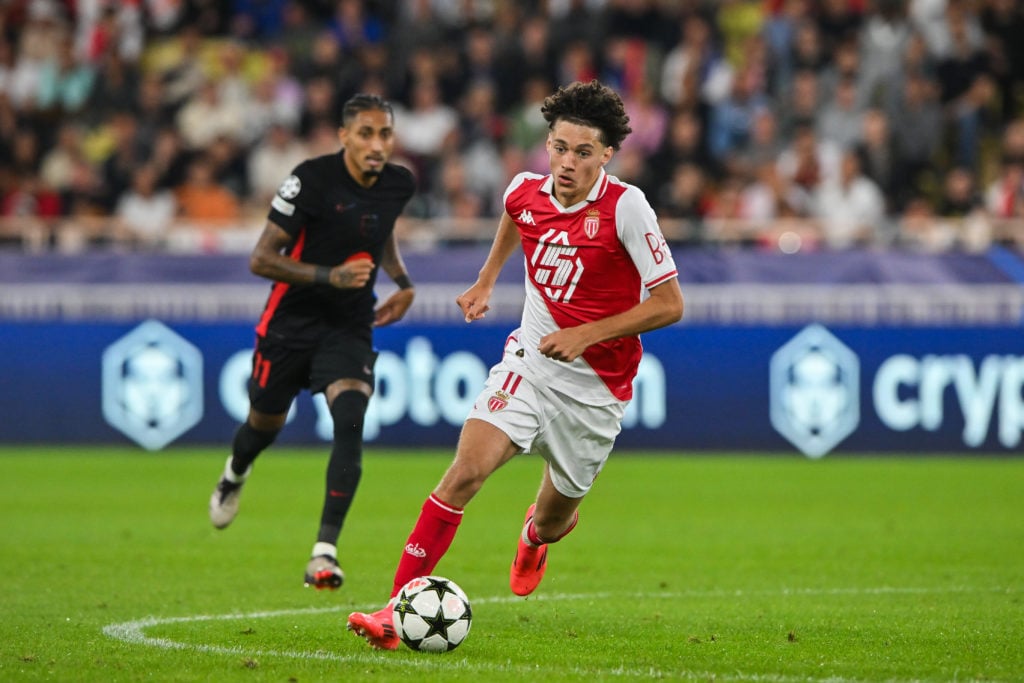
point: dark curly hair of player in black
(589, 104)
(364, 102)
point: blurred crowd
(788, 123)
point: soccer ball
(432, 614)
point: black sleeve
(294, 204)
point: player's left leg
(347, 399)
(575, 442)
(549, 520)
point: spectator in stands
(145, 212)
(838, 21)
(684, 143)
(962, 203)
(117, 89)
(57, 167)
(298, 33)
(683, 202)
(695, 73)
(426, 124)
(228, 161)
(320, 105)
(920, 229)
(964, 207)
(533, 53)
(207, 116)
(202, 200)
(850, 208)
(527, 128)
(880, 159)
(1004, 197)
(64, 83)
(966, 90)
(883, 40)
(1003, 24)
(127, 155)
(806, 164)
(841, 120)
(732, 118)
(917, 126)
(169, 157)
(651, 117)
(779, 31)
(39, 43)
(763, 146)
(181, 70)
(800, 104)
(959, 195)
(808, 51)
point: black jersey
(331, 217)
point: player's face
(577, 155)
(368, 140)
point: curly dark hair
(589, 104)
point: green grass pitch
(727, 567)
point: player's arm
(268, 260)
(473, 301)
(396, 305)
(663, 307)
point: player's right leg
(378, 628)
(483, 448)
(278, 376)
(248, 443)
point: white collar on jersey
(595, 192)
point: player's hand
(565, 345)
(394, 307)
(473, 302)
(354, 273)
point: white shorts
(574, 438)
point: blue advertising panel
(807, 389)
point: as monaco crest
(498, 401)
(592, 223)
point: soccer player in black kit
(329, 230)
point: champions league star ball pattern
(432, 614)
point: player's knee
(348, 410)
(251, 440)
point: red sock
(531, 531)
(428, 541)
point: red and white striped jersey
(583, 263)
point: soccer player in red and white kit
(598, 274)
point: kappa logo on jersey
(556, 268)
(592, 223)
(498, 401)
(526, 217)
(290, 188)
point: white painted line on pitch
(133, 632)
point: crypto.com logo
(152, 385)
(815, 391)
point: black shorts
(279, 373)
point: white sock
(230, 475)
(321, 548)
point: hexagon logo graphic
(815, 391)
(152, 385)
